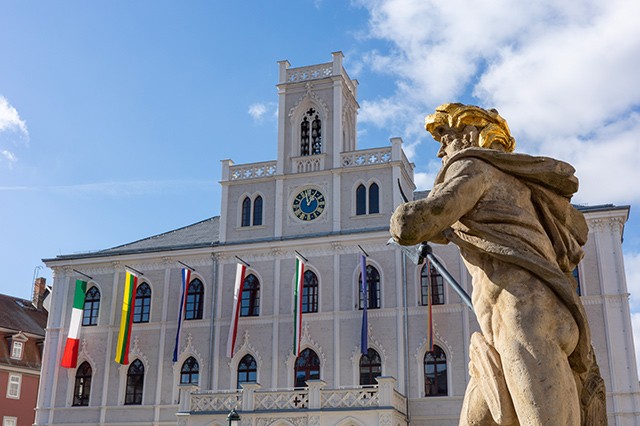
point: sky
(114, 115)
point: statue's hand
(403, 225)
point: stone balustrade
(314, 397)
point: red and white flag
(237, 299)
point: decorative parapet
(308, 163)
(252, 398)
(312, 72)
(366, 157)
(252, 171)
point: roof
(200, 234)
(20, 315)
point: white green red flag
(297, 305)
(70, 355)
(128, 301)
(186, 278)
(237, 299)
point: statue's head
(476, 125)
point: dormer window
(16, 350)
(311, 133)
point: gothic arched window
(82, 387)
(190, 372)
(195, 302)
(373, 288)
(246, 212)
(307, 368)
(361, 200)
(91, 307)
(257, 211)
(250, 303)
(310, 292)
(311, 133)
(374, 204)
(135, 383)
(435, 373)
(142, 304)
(370, 367)
(247, 370)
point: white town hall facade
(330, 202)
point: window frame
(367, 198)
(368, 369)
(142, 314)
(436, 281)
(256, 210)
(189, 372)
(370, 289)
(9, 421)
(310, 293)
(435, 361)
(81, 399)
(195, 300)
(14, 383)
(91, 305)
(314, 144)
(15, 344)
(309, 368)
(245, 212)
(252, 291)
(251, 367)
(134, 392)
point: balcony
(252, 399)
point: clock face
(308, 204)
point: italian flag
(297, 306)
(128, 301)
(70, 355)
(237, 299)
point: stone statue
(520, 238)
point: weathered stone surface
(520, 238)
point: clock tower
(320, 183)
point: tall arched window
(373, 288)
(374, 204)
(310, 292)
(361, 200)
(142, 305)
(135, 383)
(82, 387)
(367, 200)
(250, 303)
(91, 307)
(435, 373)
(246, 212)
(307, 368)
(257, 211)
(190, 372)
(195, 296)
(247, 370)
(431, 278)
(311, 133)
(370, 367)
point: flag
(364, 346)
(297, 305)
(186, 278)
(128, 301)
(70, 355)
(237, 299)
(429, 313)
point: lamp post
(233, 418)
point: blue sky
(114, 116)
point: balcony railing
(314, 397)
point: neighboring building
(330, 202)
(22, 325)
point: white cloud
(9, 156)
(563, 74)
(10, 119)
(263, 111)
(632, 269)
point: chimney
(39, 291)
